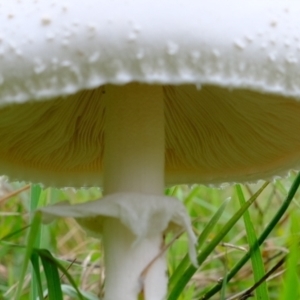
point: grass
(57, 261)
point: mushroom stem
(133, 162)
(134, 139)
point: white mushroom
(135, 95)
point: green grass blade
(52, 277)
(183, 281)
(223, 289)
(72, 293)
(291, 288)
(45, 254)
(260, 240)
(184, 264)
(35, 192)
(14, 234)
(261, 292)
(36, 268)
(31, 240)
(189, 199)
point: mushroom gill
(213, 135)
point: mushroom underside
(212, 135)
(133, 134)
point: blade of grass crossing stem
(185, 262)
(261, 292)
(35, 193)
(186, 276)
(291, 280)
(52, 277)
(31, 240)
(260, 240)
(47, 256)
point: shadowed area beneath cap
(213, 135)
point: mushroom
(123, 95)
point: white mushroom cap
(241, 125)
